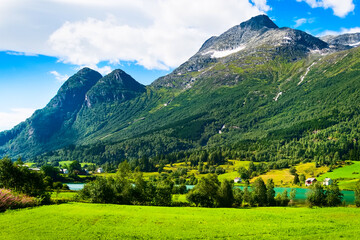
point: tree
(163, 193)
(124, 169)
(270, 192)
(243, 172)
(74, 166)
(284, 198)
(247, 198)
(204, 194)
(225, 194)
(333, 196)
(292, 195)
(293, 170)
(316, 196)
(259, 192)
(296, 179)
(22, 180)
(302, 179)
(238, 197)
(357, 194)
(51, 171)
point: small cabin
(65, 171)
(237, 180)
(310, 181)
(100, 170)
(327, 181)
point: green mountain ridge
(289, 96)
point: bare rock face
(349, 39)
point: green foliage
(205, 193)
(226, 194)
(330, 196)
(357, 194)
(259, 192)
(22, 180)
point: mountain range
(256, 89)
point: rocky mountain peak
(116, 86)
(259, 22)
(348, 39)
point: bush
(10, 200)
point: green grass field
(64, 195)
(347, 175)
(99, 221)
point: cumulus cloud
(10, 119)
(341, 31)
(341, 8)
(302, 21)
(159, 34)
(59, 77)
(262, 5)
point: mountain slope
(256, 90)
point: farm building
(65, 171)
(100, 170)
(327, 181)
(310, 181)
(237, 180)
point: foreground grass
(100, 221)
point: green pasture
(68, 195)
(62, 163)
(100, 221)
(347, 175)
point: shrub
(10, 200)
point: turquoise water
(75, 186)
(349, 196)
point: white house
(65, 171)
(310, 181)
(100, 170)
(34, 169)
(327, 181)
(237, 180)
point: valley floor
(105, 221)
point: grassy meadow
(100, 221)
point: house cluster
(237, 180)
(311, 181)
(66, 171)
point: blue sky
(44, 43)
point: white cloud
(21, 54)
(341, 31)
(59, 77)
(302, 21)
(102, 70)
(262, 5)
(158, 34)
(10, 119)
(341, 8)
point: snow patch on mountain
(224, 53)
(354, 44)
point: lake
(75, 186)
(349, 196)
